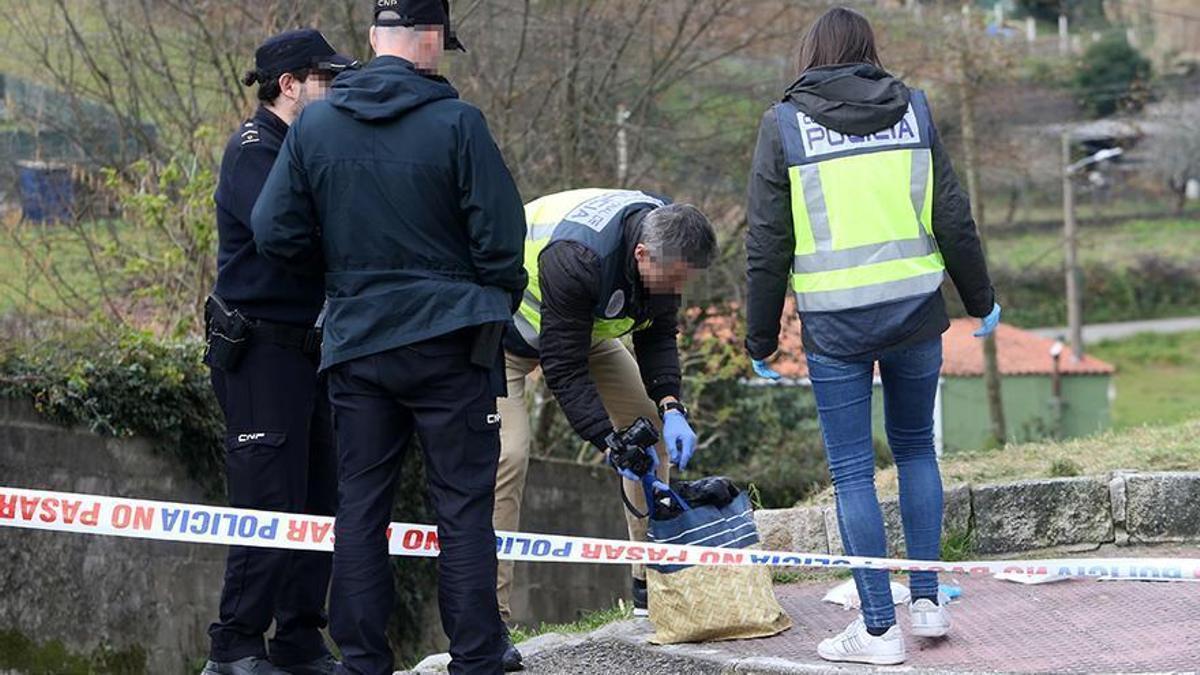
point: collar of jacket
(270, 120)
(632, 234)
(389, 60)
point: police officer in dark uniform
(396, 187)
(263, 346)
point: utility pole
(1071, 242)
(991, 364)
(623, 115)
(1064, 35)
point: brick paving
(1073, 626)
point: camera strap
(648, 488)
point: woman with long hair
(853, 203)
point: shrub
(766, 435)
(1112, 76)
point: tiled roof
(1020, 352)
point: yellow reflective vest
(859, 246)
(595, 218)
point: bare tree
(144, 92)
(1175, 146)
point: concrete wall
(568, 498)
(89, 591)
(1027, 409)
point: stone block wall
(1121, 508)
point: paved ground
(1073, 626)
(1081, 626)
(1098, 332)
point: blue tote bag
(698, 603)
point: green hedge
(133, 386)
(1149, 287)
(137, 385)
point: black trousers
(378, 402)
(279, 457)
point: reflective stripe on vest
(595, 209)
(862, 212)
(529, 330)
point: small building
(961, 417)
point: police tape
(202, 524)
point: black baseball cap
(409, 13)
(298, 50)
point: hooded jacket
(856, 99)
(395, 189)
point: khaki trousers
(616, 374)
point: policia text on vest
(851, 250)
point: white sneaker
(928, 619)
(856, 645)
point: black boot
(326, 665)
(512, 657)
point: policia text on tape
(197, 523)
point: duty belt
(307, 340)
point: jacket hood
(387, 88)
(856, 98)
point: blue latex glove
(988, 325)
(763, 370)
(680, 439)
(626, 473)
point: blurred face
(662, 275)
(429, 48)
(421, 45)
(314, 88)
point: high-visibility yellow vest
(861, 210)
(595, 218)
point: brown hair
(840, 35)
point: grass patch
(957, 546)
(996, 210)
(23, 286)
(590, 621)
(1064, 468)
(1175, 240)
(1156, 378)
(1164, 448)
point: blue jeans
(843, 393)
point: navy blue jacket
(257, 287)
(396, 190)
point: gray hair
(681, 231)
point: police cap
(411, 13)
(298, 50)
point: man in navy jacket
(395, 189)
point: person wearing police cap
(396, 188)
(262, 351)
